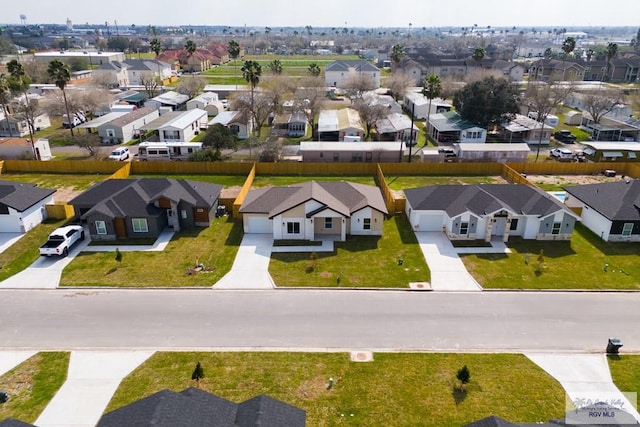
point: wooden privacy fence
(514, 177)
(62, 166)
(59, 211)
(190, 168)
(243, 192)
(123, 172)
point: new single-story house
(610, 209)
(21, 148)
(315, 209)
(450, 127)
(332, 151)
(195, 407)
(126, 127)
(524, 129)
(22, 206)
(494, 152)
(470, 212)
(178, 125)
(339, 72)
(239, 122)
(143, 207)
(340, 125)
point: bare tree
(543, 99)
(191, 87)
(151, 83)
(309, 99)
(36, 71)
(357, 84)
(271, 150)
(88, 141)
(597, 104)
(258, 109)
(53, 102)
(277, 88)
(398, 84)
(370, 114)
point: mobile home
(166, 151)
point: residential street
(317, 320)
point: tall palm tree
(156, 46)
(431, 88)
(190, 47)
(5, 93)
(478, 54)
(234, 52)
(60, 76)
(275, 67)
(397, 52)
(251, 72)
(20, 83)
(612, 51)
(314, 69)
(568, 45)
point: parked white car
(119, 154)
(562, 154)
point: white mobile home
(165, 151)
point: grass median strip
(215, 247)
(31, 385)
(400, 389)
(361, 261)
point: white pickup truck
(61, 240)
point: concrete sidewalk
(11, 359)
(92, 379)
(585, 377)
(250, 269)
(448, 272)
(159, 245)
(327, 246)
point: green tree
(275, 67)
(568, 45)
(478, 54)
(548, 53)
(314, 69)
(219, 137)
(118, 44)
(190, 47)
(19, 82)
(612, 51)
(234, 52)
(397, 53)
(431, 88)
(463, 375)
(60, 76)
(118, 255)
(156, 46)
(78, 64)
(198, 374)
(487, 101)
(5, 96)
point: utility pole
(413, 115)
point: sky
(328, 13)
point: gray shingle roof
(343, 197)
(12, 422)
(21, 196)
(616, 201)
(345, 65)
(483, 199)
(265, 411)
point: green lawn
(402, 182)
(56, 180)
(398, 389)
(214, 246)
(578, 264)
(361, 261)
(25, 252)
(32, 384)
(625, 370)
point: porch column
(489, 228)
(343, 230)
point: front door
(121, 230)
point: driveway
(92, 379)
(8, 239)
(45, 272)
(250, 269)
(448, 272)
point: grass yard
(401, 182)
(32, 384)
(57, 180)
(360, 262)
(399, 389)
(625, 370)
(578, 264)
(215, 247)
(279, 180)
(24, 252)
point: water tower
(23, 19)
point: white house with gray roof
(22, 206)
(179, 125)
(339, 72)
(125, 127)
(487, 211)
(315, 209)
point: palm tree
(20, 83)
(275, 67)
(190, 47)
(5, 92)
(568, 45)
(251, 72)
(314, 69)
(234, 52)
(60, 76)
(478, 54)
(612, 51)
(397, 52)
(156, 46)
(431, 88)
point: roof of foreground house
(616, 201)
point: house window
(111, 133)
(183, 214)
(139, 225)
(328, 223)
(514, 224)
(101, 227)
(293, 228)
(627, 228)
(556, 228)
(366, 224)
(235, 129)
(464, 228)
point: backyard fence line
(243, 191)
(59, 211)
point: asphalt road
(317, 320)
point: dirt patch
(570, 179)
(65, 194)
(312, 389)
(325, 274)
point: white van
(119, 154)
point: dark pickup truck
(564, 136)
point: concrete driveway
(45, 272)
(448, 272)
(250, 269)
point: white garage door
(9, 224)
(430, 222)
(258, 224)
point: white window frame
(101, 227)
(328, 223)
(293, 227)
(137, 223)
(465, 226)
(556, 227)
(627, 229)
(366, 223)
